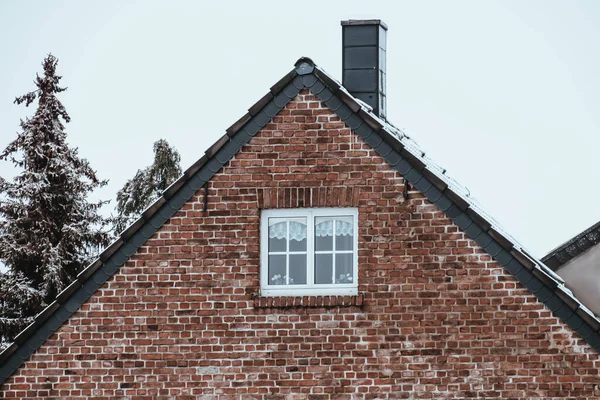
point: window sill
(327, 301)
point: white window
(309, 251)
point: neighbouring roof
(573, 247)
(399, 150)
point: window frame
(310, 288)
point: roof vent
(363, 61)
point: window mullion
(333, 251)
(264, 256)
(355, 249)
(287, 254)
(310, 247)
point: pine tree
(147, 184)
(49, 230)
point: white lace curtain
(298, 230)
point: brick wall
(436, 318)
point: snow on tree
(49, 229)
(20, 302)
(147, 185)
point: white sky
(505, 95)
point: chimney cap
(365, 22)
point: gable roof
(399, 150)
(573, 247)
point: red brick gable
(437, 317)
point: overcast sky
(504, 95)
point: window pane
(298, 245)
(344, 242)
(324, 243)
(344, 235)
(277, 234)
(298, 235)
(343, 268)
(323, 268)
(277, 274)
(297, 269)
(276, 244)
(323, 233)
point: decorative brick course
(308, 301)
(436, 317)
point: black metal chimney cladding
(363, 61)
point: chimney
(363, 61)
